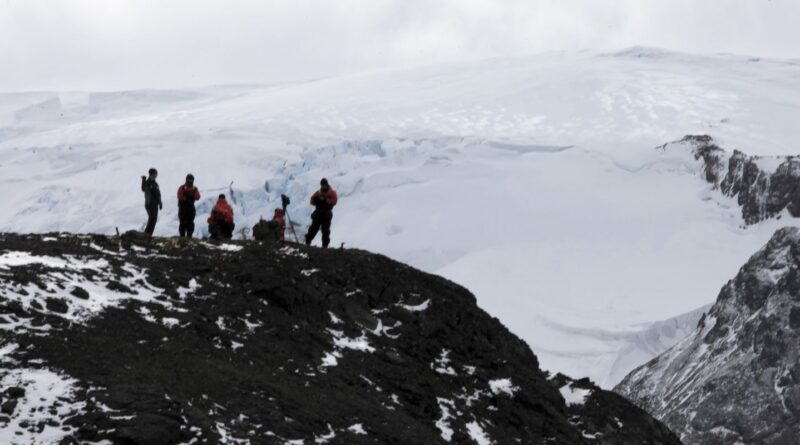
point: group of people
(220, 222)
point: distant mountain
(736, 379)
(132, 342)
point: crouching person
(220, 223)
(278, 224)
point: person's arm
(314, 198)
(196, 194)
(158, 195)
(333, 198)
(144, 181)
(181, 194)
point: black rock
(56, 305)
(15, 392)
(8, 407)
(80, 292)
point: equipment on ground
(285, 201)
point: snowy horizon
(422, 66)
(93, 45)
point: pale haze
(111, 44)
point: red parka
(182, 194)
(278, 217)
(330, 198)
(222, 212)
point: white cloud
(110, 44)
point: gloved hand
(321, 199)
(160, 206)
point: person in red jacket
(187, 195)
(280, 223)
(323, 200)
(220, 222)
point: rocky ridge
(115, 340)
(764, 187)
(736, 379)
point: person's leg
(190, 222)
(152, 217)
(181, 222)
(227, 230)
(213, 231)
(312, 231)
(326, 229)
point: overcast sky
(120, 44)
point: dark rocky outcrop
(736, 379)
(169, 342)
(763, 186)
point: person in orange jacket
(323, 200)
(187, 195)
(281, 223)
(220, 222)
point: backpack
(266, 231)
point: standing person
(220, 222)
(323, 200)
(152, 200)
(187, 195)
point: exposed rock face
(736, 379)
(173, 342)
(763, 186)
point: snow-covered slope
(735, 379)
(532, 181)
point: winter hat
(324, 182)
(221, 196)
(190, 177)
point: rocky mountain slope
(108, 340)
(764, 186)
(736, 379)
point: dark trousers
(221, 230)
(186, 221)
(152, 217)
(320, 220)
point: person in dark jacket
(323, 201)
(187, 195)
(220, 222)
(152, 200)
